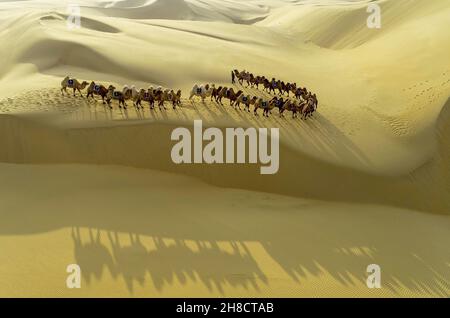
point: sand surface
(365, 181)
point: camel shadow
(165, 263)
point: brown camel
(117, 95)
(232, 96)
(97, 89)
(146, 96)
(176, 98)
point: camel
(215, 93)
(280, 86)
(162, 96)
(221, 94)
(278, 102)
(244, 99)
(135, 95)
(117, 95)
(246, 76)
(96, 89)
(201, 91)
(316, 102)
(308, 108)
(273, 85)
(301, 93)
(292, 106)
(265, 105)
(259, 80)
(232, 96)
(243, 76)
(290, 87)
(253, 102)
(176, 98)
(127, 92)
(146, 96)
(68, 82)
(240, 76)
(251, 80)
(266, 85)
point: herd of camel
(302, 102)
(153, 96)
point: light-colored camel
(73, 83)
(201, 91)
(135, 95)
(244, 99)
(265, 105)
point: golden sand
(366, 181)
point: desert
(364, 179)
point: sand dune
(366, 180)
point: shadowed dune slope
(149, 146)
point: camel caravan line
(151, 95)
(303, 101)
